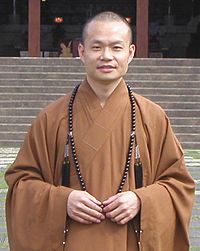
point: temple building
(172, 27)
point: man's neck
(103, 91)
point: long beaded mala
(73, 148)
(137, 165)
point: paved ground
(192, 158)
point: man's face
(106, 51)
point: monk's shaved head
(106, 16)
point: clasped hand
(86, 209)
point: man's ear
(81, 52)
(131, 52)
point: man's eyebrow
(96, 41)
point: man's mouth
(108, 67)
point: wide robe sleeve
(168, 192)
(36, 205)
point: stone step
(74, 61)
(132, 69)
(17, 143)
(41, 61)
(161, 77)
(164, 69)
(163, 84)
(53, 96)
(81, 76)
(10, 143)
(43, 82)
(195, 221)
(168, 91)
(16, 127)
(29, 96)
(41, 104)
(194, 242)
(182, 113)
(193, 166)
(196, 211)
(194, 162)
(18, 140)
(197, 186)
(19, 134)
(178, 122)
(190, 145)
(28, 119)
(177, 105)
(184, 137)
(185, 121)
(173, 98)
(195, 155)
(25, 103)
(194, 129)
(192, 158)
(11, 136)
(19, 111)
(72, 82)
(64, 89)
(195, 173)
(17, 119)
(27, 111)
(33, 89)
(6, 157)
(42, 75)
(6, 127)
(50, 69)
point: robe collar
(104, 119)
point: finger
(113, 214)
(119, 217)
(88, 218)
(124, 220)
(110, 207)
(120, 209)
(110, 200)
(92, 205)
(119, 214)
(97, 202)
(92, 212)
(81, 220)
(123, 217)
(93, 199)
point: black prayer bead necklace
(72, 143)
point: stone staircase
(29, 84)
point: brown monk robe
(37, 203)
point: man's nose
(106, 54)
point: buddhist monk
(100, 168)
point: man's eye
(96, 47)
(118, 47)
